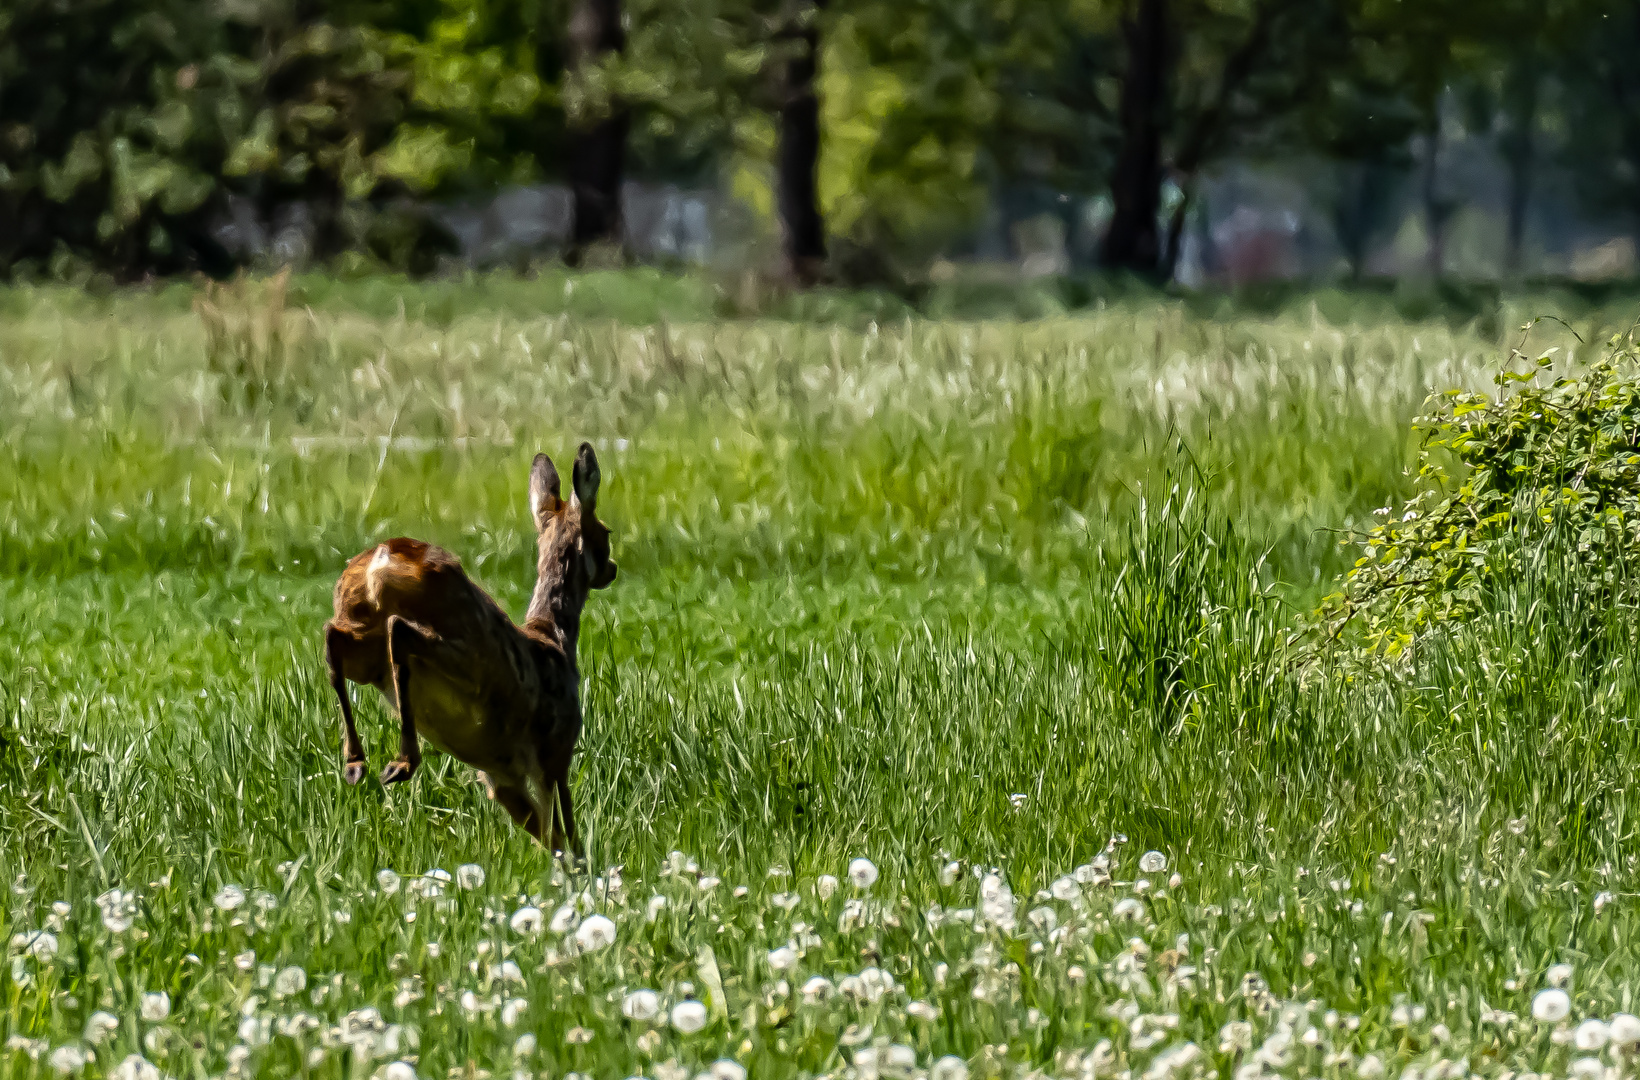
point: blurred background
(889, 143)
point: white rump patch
(373, 575)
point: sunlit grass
(939, 595)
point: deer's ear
(544, 497)
(585, 478)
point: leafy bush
(1545, 475)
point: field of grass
(1006, 608)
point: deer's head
(573, 544)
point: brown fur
(503, 698)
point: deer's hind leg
(404, 640)
(338, 644)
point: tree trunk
(1519, 151)
(1435, 209)
(1175, 235)
(797, 157)
(1131, 241)
(597, 144)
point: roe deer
(504, 699)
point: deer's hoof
(353, 772)
(398, 771)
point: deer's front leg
(404, 640)
(352, 748)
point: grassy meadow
(949, 717)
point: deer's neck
(554, 609)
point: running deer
(503, 698)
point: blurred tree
(1205, 79)
(797, 153)
(110, 133)
(598, 124)
(1600, 84)
(933, 108)
(124, 123)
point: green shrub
(1544, 477)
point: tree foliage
(125, 125)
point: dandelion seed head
(1624, 1030)
(1586, 1068)
(824, 886)
(641, 1005)
(1591, 1035)
(99, 1026)
(1153, 862)
(727, 1069)
(229, 897)
(689, 1016)
(155, 1007)
(136, 1067)
(526, 921)
(596, 932)
(69, 1059)
(470, 876)
(862, 873)
(1551, 1006)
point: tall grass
(928, 592)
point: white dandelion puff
(641, 1005)
(136, 1067)
(824, 886)
(1625, 1029)
(1551, 1006)
(1586, 1068)
(387, 881)
(155, 1007)
(470, 876)
(817, 989)
(1128, 908)
(99, 1026)
(526, 921)
(1153, 862)
(1591, 1035)
(399, 1070)
(596, 932)
(949, 1067)
(1558, 975)
(69, 1059)
(862, 873)
(783, 958)
(727, 1069)
(689, 1016)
